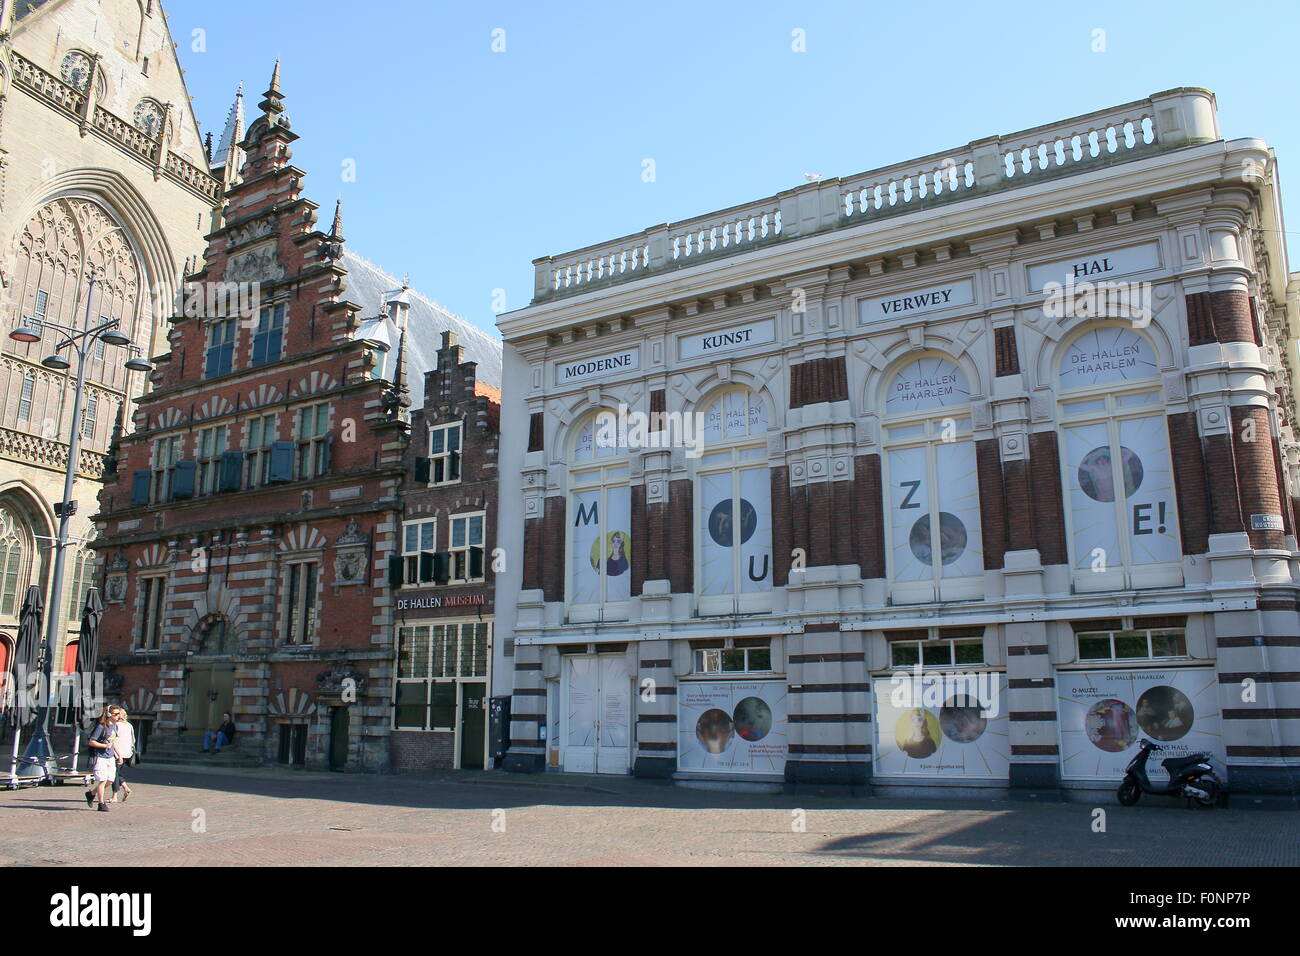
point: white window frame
(440, 462)
(933, 643)
(710, 661)
(267, 326)
(229, 325)
(208, 452)
(258, 456)
(897, 435)
(297, 629)
(411, 558)
(310, 449)
(153, 608)
(25, 396)
(459, 554)
(732, 455)
(167, 451)
(1116, 407)
(405, 641)
(1148, 632)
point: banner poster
(731, 726)
(953, 728)
(1104, 714)
(602, 545)
(1135, 473)
(722, 533)
(913, 539)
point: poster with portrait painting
(732, 726)
(961, 736)
(1104, 714)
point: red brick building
(246, 533)
(444, 576)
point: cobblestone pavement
(183, 817)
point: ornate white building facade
(994, 475)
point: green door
(198, 685)
(473, 725)
(338, 738)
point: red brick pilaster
(640, 540)
(1006, 355)
(1256, 474)
(553, 531)
(782, 529)
(869, 515)
(532, 554)
(1048, 505)
(1189, 482)
(819, 380)
(681, 537)
(819, 525)
(1021, 535)
(842, 527)
(1223, 316)
(535, 432)
(1200, 324)
(1282, 496)
(993, 515)
(1221, 481)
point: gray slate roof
(367, 286)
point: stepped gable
(370, 286)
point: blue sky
(471, 163)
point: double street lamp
(38, 758)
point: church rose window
(1117, 473)
(933, 511)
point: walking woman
(124, 747)
(103, 759)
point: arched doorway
(210, 676)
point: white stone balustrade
(1175, 118)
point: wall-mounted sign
(725, 340)
(434, 602)
(1266, 523)
(1096, 266)
(901, 305)
(627, 360)
(731, 726)
(1104, 714)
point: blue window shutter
(327, 455)
(232, 471)
(476, 562)
(394, 570)
(454, 466)
(426, 566)
(183, 479)
(140, 487)
(282, 461)
(421, 471)
(441, 567)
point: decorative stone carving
(256, 265)
(340, 677)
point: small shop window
(744, 658)
(430, 659)
(936, 647)
(1135, 644)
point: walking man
(103, 759)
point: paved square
(185, 817)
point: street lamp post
(38, 758)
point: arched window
(12, 564)
(733, 495)
(600, 521)
(935, 549)
(1117, 475)
(59, 243)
